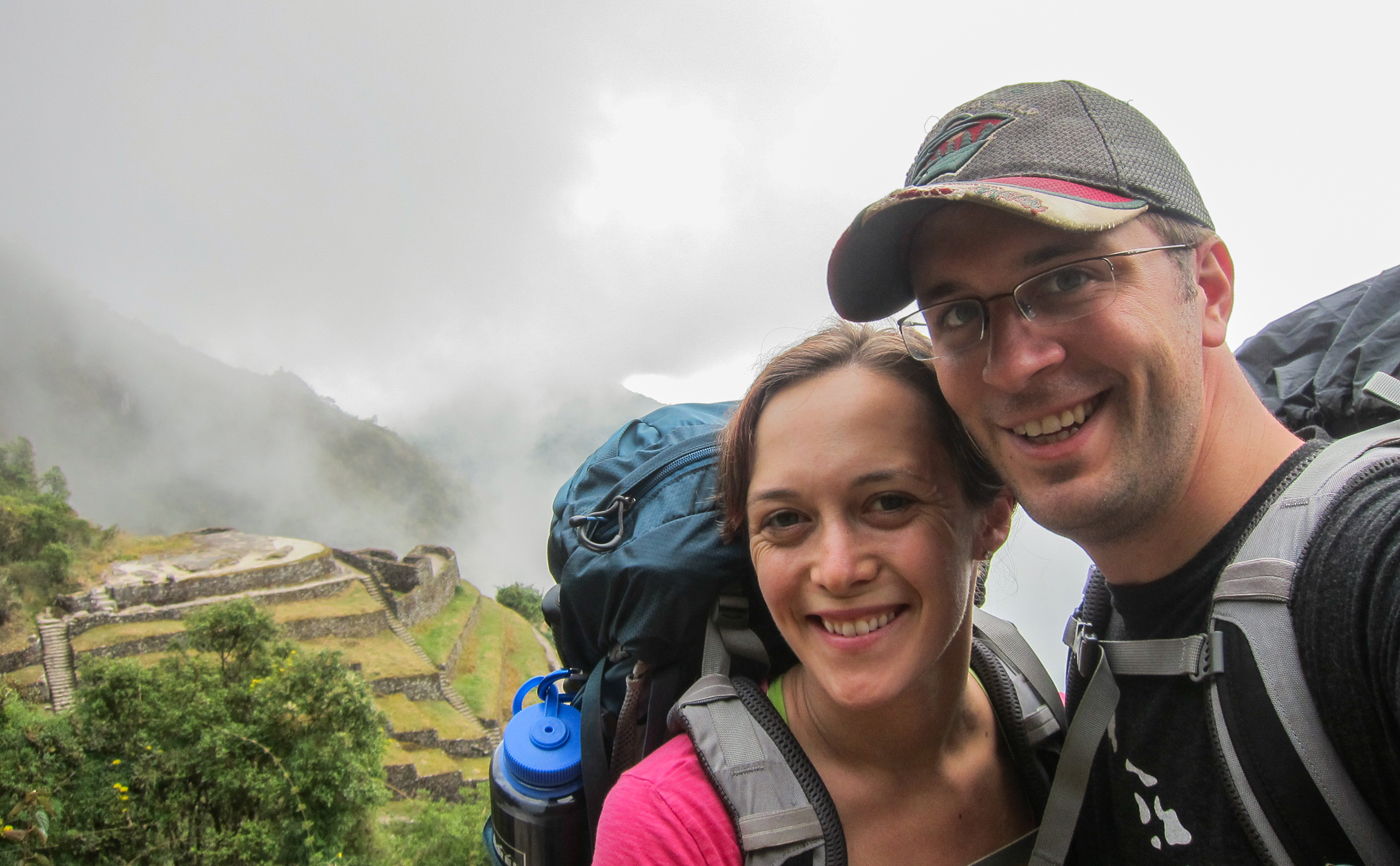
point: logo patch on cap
(954, 146)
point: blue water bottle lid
(542, 744)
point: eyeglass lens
(1059, 295)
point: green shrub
(443, 834)
(524, 600)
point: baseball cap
(1060, 152)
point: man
(1066, 271)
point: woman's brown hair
(866, 347)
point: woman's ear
(996, 524)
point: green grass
(354, 599)
(499, 655)
(437, 635)
(406, 715)
(111, 635)
(522, 657)
(477, 675)
(430, 762)
(380, 656)
(125, 548)
(14, 634)
(24, 676)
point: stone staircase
(105, 602)
(402, 633)
(58, 661)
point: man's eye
(956, 315)
(1066, 282)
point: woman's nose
(841, 560)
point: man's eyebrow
(1070, 246)
(1082, 245)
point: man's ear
(1215, 278)
(996, 524)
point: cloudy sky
(404, 203)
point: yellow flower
(8, 828)
(116, 762)
(125, 797)
(117, 785)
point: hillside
(160, 438)
(441, 659)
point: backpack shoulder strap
(781, 810)
(1300, 814)
(1043, 712)
(1302, 803)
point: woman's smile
(863, 543)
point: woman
(868, 515)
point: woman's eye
(891, 501)
(782, 520)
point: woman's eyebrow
(771, 494)
(883, 475)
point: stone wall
(404, 781)
(429, 739)
(434, 591)
(152, 644)
(456, 652)
(418, 687)
(84, 620)
(383, 564)
(429, 593)
(185, 589)
(30, 655)
(351, 625)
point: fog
(472, 222)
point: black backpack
(1328, 364)
(667, 632)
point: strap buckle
(1083, 645)
(1211, 661)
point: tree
(271, 757)
(234, 631)
(524, 600)
(55, 483)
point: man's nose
(841, 561)
(1017, 349)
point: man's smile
(1058, 426)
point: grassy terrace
(406, 715)
(354, 599)
(437, 635)
(24, 676)
(14, 634)
(380, 656)
(430, 762)
(499, 655)
(110, 635)
(127, 548)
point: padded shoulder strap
(1043, 713)
(774, 819)
(1251, 603)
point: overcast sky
(401, 202)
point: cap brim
(868, 276)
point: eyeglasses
(1060, 294)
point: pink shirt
(664, 810)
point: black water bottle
(538, 817)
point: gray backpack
(780, 808)
(1303, 807)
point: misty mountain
(518, 445)
(160, 438)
